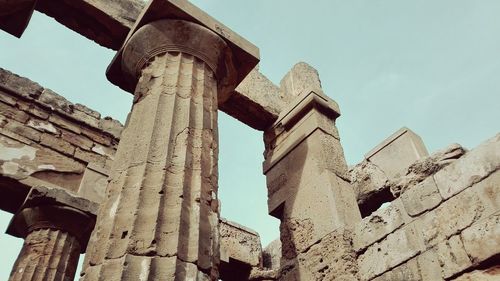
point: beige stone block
(452, 256)
(6, 98)
(111, 126)
(97, 136)
(65, 123)
(469, 169)
(43, 126)
(395, 249)
(239, 243)
(33, 109)
(301, 77)
(482, 240)
(77, 140)
(13, 113)
(57, 144)
(429, 266)
(395, 154)
(332, 258)
(408, 271)
(421, 197)
(378, 225)
(454, 215)
(93, 184)
(90, 157)
(489, 274)
(23, 130)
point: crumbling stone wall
(47, 140)
(443, 222)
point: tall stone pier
(161, 216)
(309, 192)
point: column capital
(169, 35)
(239, 57)
(50, 208)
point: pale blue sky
(430, 65)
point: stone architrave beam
(15, 15)
(255, 102)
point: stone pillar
(160, 219)
(54, 234)
(309, 192)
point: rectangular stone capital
(245, 54)
(15, 15)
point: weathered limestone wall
(444, 220)
(46, 140)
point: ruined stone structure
(141, 199)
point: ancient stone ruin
(141, 199)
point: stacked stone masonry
(400, 214)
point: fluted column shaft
(48, 255)
(160, 219)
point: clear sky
(431, 65)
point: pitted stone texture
(470, 169)
(271, 255)
(425, 167)
(162, 192)
(332, 258)
(239, 243)
(367, 179)
(379, 224)
(482, 240)
(397, 248)
(421, 197)
(452, 256)
(301, 77)
(461, 211)
(409, 271)
(47, 255)
(490, 274)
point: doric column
(56, 227)
(309, 192)
(160, 219)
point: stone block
(395, 154)
(378, 225)
(469, 169)
(111, 126)
(23, 130)
(6, 98)
(80, 141)
(456, 214)
(57, 144)
(301, 77)
(13, 113)
(332, 258)
(482, 240)
(33, 109)
(367, 179)
(97, 136)
(64, 123)
(94, 183)
(489, 274)
(395, 249)
(452, 256)
(43, 126)
(15, 15)
(408, 271)
(429, 266)
(421, 197)
(90, 157)
(271, 255)
(239, 243)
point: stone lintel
(239, 243)
(245, 55)
(284, 135)
(15, 15)
(404, 145)
(55, 208)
